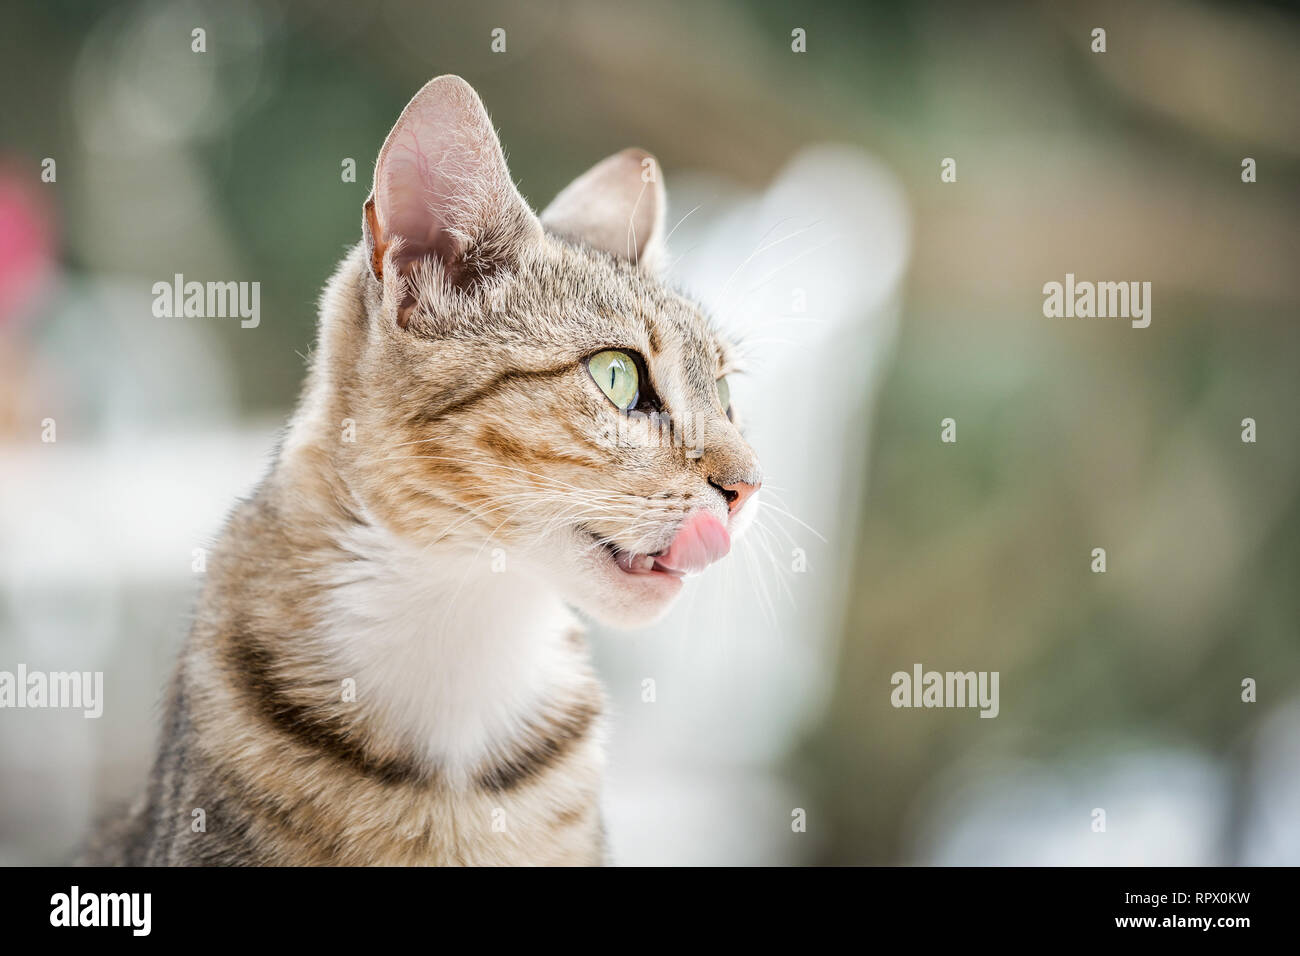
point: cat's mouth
(630, 562)
(701, 540)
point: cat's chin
(617, 590)
(619, 598)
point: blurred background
(877, 300)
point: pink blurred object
(26, 240)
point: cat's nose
(737, 493)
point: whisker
(760, 249)
(807, 527)
(679, 222)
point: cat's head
(529, 383)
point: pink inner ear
(441, 183)
(442, 188)
(412, 196)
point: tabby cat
(506, 417)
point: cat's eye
(616, 374)
(724, 395)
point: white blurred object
(98, 531)
(807, 275)
(1271, 832)
(1162, 807)
(1166, 807)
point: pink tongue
(699, 542)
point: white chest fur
(451, 656)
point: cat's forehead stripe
(494, 386)
(652, 332)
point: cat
(385, 666)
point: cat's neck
(459, 651)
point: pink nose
(737, 494)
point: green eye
(615, 373)
(724, 394)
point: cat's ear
(617, 206)
(443, 193)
